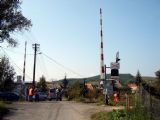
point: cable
(62, 65)
(41, 66)
(33, 37)
(15, 63)
(16, 52)
(44, 65)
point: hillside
(124, 78)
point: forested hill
(124, 78)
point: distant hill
(148, 78)
(124, 78)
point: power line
(16, 51)
(14, 62)
(62, 65)
(44, 65)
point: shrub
(100, 116)
(74, 92)
(3, 109)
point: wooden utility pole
(24, 67)
(35, 47)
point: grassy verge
(101, 116)
(3, 109)
(137, 113)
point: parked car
(52, 94)
(42, 96)
(9, 96)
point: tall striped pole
(102, 72)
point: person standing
(115, 97)
(30, 93)
(36, 95)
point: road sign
(114, 65)
(105, 91)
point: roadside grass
(138, 112)
(101, 116)
(131, 114)
(3, 109)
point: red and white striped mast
(102, 67)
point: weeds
(3, 109)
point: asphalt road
(52, 110)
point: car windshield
(42, 93)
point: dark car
(9, 96)
(42, 96)
(52, 94)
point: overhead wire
(29, 39)
(34, 40)
(41, 66)
(16, 51)
(62, 65)
(44, 65)
(14, 62)
(59, 68)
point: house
(132, 86)
(89, 86)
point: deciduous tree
(11, 20)
(42, 85)
(7, 74)
(158, 74)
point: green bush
(136, 113)
(100, 116)
(118, 115)
(74, 91)
(3, 109)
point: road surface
(53, 110)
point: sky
(68, 32)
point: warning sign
(114, 65)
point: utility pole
(35, 47)
(23, 88)
(24, 67)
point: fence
(151, 104)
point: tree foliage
(6, 75)
(65, 83)
(42, 85)
(11, 20)
(158, 81)
(75, 91)
(158, 74)
(138, 78)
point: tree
(11, 20)
(42, 85)
(158, 81)
(65, 82)
(6, 75)
(138, 78)
(75, 91)
(158, 74)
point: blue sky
(69, 32)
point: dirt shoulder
(52, 110)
